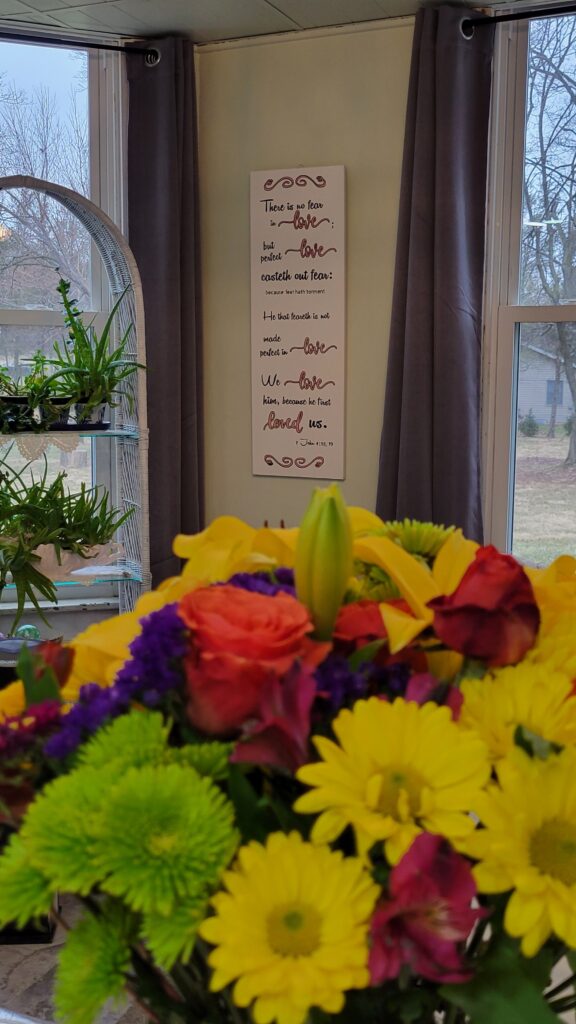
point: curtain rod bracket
(152, 58)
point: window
(554, 392)
(530, 350)
(60, 120)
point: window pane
(43, 133)
(74, 459)
(71, 453)
(545, 456)
(548, 244)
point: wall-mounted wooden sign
(298, 322)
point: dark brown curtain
(163, 234)
(430, 450)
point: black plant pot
(16, 414)
(94, 416)
(55, 413)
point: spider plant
(88, 366)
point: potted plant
(42, 524)
(16, 412)
(45, 393)
(89, 366)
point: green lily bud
(323, 563)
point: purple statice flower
(337, 683)
(153, 670)
(269, 583)
(155, 665)
(391, 680)
(95, 706)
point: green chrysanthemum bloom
(211, 759)
(424, 539)
(166, 834)
(171, 937)
(130, 741)
(61, 824)
(25, 892)
(92, 965)
(372, 583)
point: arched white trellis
(131, 419)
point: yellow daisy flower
(528, 845)
(399, 769)
(530, 695)
(291, 930)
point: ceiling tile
(11, 7)
(114, 18)
(398, 8)
(78, 18)
(52, 5)
(207, 20)
(30, 17)
(313, 13)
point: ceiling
(202, 20)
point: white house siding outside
(537, 381)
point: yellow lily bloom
(363, 522)
(417, 584)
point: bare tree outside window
(548, 250)
(39, 240)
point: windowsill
(66, 619)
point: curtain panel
(430, 448)
(163, 234)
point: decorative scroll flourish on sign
(286, 462)
(298, 318)
(286, 181)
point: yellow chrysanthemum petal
(291, 929)
(529, 839)
(529, 695)
(397, 769)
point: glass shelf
(33, 445)
(130, 431)
(97, 574)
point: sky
(31, 67)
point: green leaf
(39, 680)
(254, 817)
(507, 989)
(364, 654)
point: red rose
(359, 623)
(240, 642)
(492, 615)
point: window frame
(107, 108)
(503, 313)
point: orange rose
(240, 641)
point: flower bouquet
(325, 773)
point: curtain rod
(468, 25)
(151, 55)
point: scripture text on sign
(298, 322)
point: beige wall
(309, 99)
